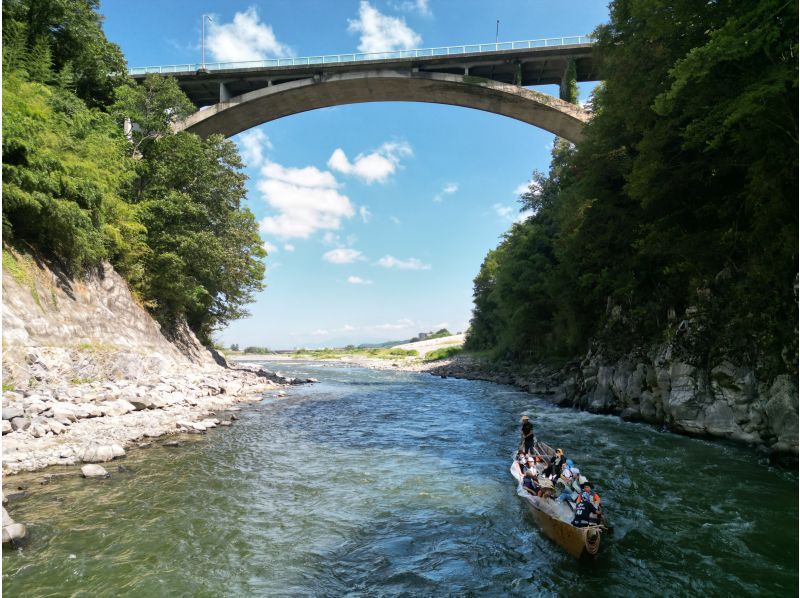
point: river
(394, 483)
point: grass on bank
(443, 353)
(336, 353)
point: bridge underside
(263, 105)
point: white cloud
(357, 280)
(504, 211)
(348, 328)
(251, 146)
(288, 247)
(411, 263)
(507, 212)
(419, 6)
(395, 220)
(342, 255)
(270, 248)
(401, 324)
(521, 189)
(246, 38)
(448, 189)
(373, 167)
(523, 215)
(306, 200)
(366, 215)
(320, 333)
(381, 33)
(331, 239)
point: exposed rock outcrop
(722, 401)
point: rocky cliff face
(57, 329)
(663, 387)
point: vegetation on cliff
(683, 195)
(165, 209)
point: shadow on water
(389, 483)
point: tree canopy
(682, 195)
(166, 209)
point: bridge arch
(388, 85)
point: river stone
(7, 427)
(117, 407)
(14, 533)
(6, 518)
(38, 430)
(12, 412)
(64, 411)
(98, 454)
(94, 471)
(56, 427)
(225, 423)
(117, 450)
(20, 423)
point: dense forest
(165, 209)
(679, 207)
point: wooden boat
(555, 518)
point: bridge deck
(529, 66)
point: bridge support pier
(224, 93)
(568, 90)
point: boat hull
(577, 541)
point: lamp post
(203, 43)
(497, 32)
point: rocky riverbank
(87, 373)
(725, 401)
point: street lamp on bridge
(203, 44)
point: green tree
(682, 193)
(71, 32)
(63, 166)
(152, 107)
(206, 259)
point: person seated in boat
(577, 479)
(596, 517)
(546, 488)
(527, 434)
(531, 482)
(565, 479)
(554, 468)
(586, 512)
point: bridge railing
(366, 56)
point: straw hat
(524, 418)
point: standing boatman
(527, 434)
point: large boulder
(12, 532)
(64, 411)
(12, 412)
(117, 407)
(94, 471)
(100, 453)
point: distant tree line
(682, 195)
(165, 209)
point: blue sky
(376, 216)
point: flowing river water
(392, 483)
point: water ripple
(396, 484)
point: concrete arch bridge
(233, 97)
